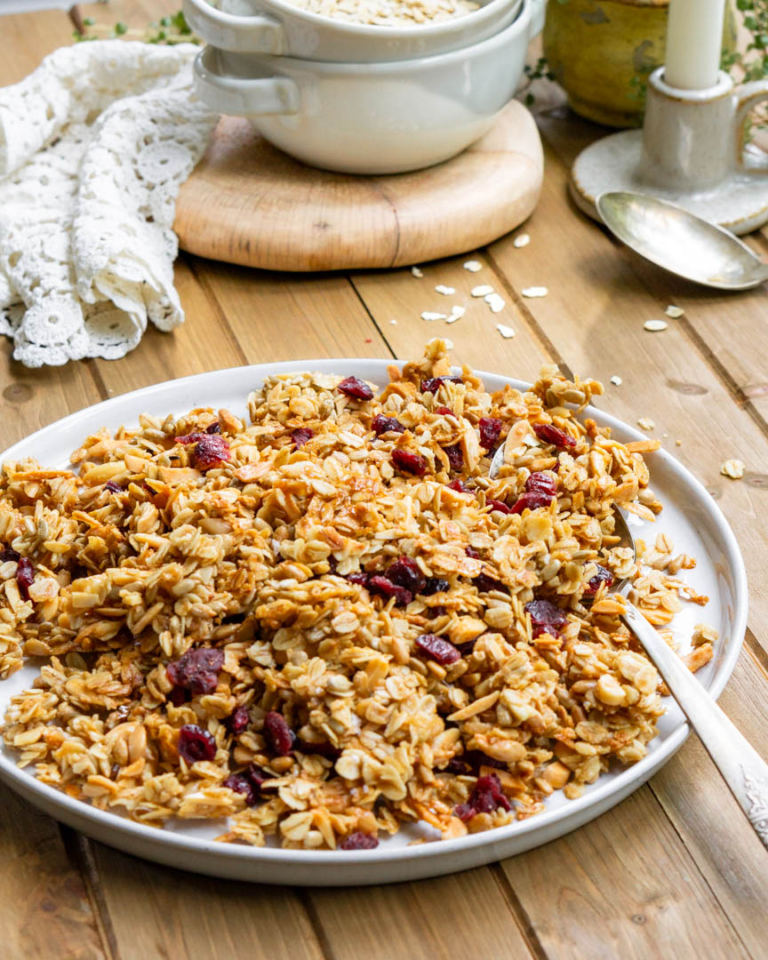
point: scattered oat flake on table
(495, 301)
(646, 423)
(393, 322)
(482, 291)
(522, 241)
(446, 291)
(733, 469)
(535, 292)
(505, 331)
(616, 381)
(655, 326)
(674, 312)
(417, 272)
(474, 266)
(457, 313)
(427, 315)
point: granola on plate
(328, 621)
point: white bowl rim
(330, 67)
(387, 33)
(52, 798)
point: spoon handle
(741, 766)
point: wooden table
(674, 871)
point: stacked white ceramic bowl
(360, 98)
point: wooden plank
(27, 38)
(160, 912)
(727, 328)
(600, 894)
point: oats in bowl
(326, 621)
(389, 13)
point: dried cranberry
(486, 797)
(361, 579)
(458, 767)
(438, 648)
(455, 457)
(532, 501)
(356, 388)
(433, 385)
(409, 462)
(213, 427)
(333, 563)
(383, 587)
(301, 435)
(25, 576)
(465, 649)
(197, 670)
(9, 555)
(434, 585)
(322, 749)
(238, 720)
(196, 744)
(188, 438)
(405, 572)
(178, 696)
(241, 783)
(543, 481)
(602, 576)
(498, 506)
(278, 734)
(113, 487)
(471, 552)
(550, 434)
(359, 841)
(381, 424)
(490, 430)
(211, 451)
(444, 411)
(484, 584)
(546, 617)
(256, 775)
(458, 486)
(477, 759)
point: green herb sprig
(171, 30)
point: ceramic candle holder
(690, 151)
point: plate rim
(49, 797)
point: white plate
(690, 516)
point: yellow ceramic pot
(601, 52)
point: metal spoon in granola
(741, 766)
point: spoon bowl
(680, 242)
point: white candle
(694, 43)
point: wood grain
(251, 204)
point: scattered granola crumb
(474, 266)
(704, 634)
(495, 301)
(482, 291)
(535, 292)
(616, 381)
(733, 469)
(505, 331)
(646, 423)
(655, 326)
(417, 272)
(446, 291)
(457, 313)
(678, 443)
(428, 315)
(521, 241)
(393, 322)
(674, 312)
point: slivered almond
(179, 474)
(643, 446)
(473, 709)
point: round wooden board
(250, 204)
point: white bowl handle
(241, 97)
(256, 34)
(538, 11)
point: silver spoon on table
(741, 766)
(681, 242)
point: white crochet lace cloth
(94, 146)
